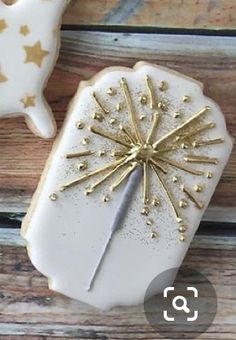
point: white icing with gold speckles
(66, 231)
(29, 39)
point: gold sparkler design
(153, 155)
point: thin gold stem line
(97, 101)
(200, 143)
(79, 154)
(157, 165)
(145, 183)
(198, 130)
(129, 104)
(200, 159)
(127, 133)
(181, 166)
(104, 134)
(95, 185)
(93, 173)
(190, 195)
(182, 126)
(119, 153)
(123, 176)
(168, 194)
(153, 127)
(151, 92)
(173, 148)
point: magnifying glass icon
(183, 306)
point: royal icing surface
(29, 37)
(101, 236)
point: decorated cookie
(126, 185)
(29, 36)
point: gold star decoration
(24, 30)
(28, 101)
(35, 54)
(3, 25)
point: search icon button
(183, 306)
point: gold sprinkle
(186, 99)
(113, 121)
(155, 202)
(183, 203)
(174, 179)
(118, 107)
(142, 117)
(209, 174)
(143, 99)
(149, 222)
(198, 188)
(101, 153)
(98, 116)
(85, 141)
(153, 234)
(83, 165)
(53, 197)
(79, 154)
(163, 86)
(111, 91)
(182, 238)
(80, 125)
(184, 146)
(105, 198)
(145, 211)
(177, 115)
(162, 106)
(182, 229)
(198, 204)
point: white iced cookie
(126, 185)
(29, 44)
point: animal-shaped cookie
(29, 41)
(126, 185)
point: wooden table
(96, 34)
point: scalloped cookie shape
(126, 185)
(29, 45)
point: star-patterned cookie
(126, 185)
(29, 49)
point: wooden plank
(29, 309)
(208, 59)
(211, 14)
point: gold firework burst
(152, 154)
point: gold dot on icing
(163, 86)
(98, 116)
(145, 211)
(24, 30)
(28, 101)
(83, 165)
(177, 115)
(88, 191)
(153, 234)
(143, 99)
(209, 174)
(162, 106)
(35, 54)
(105, 198)
(198, 188)
(183, 203)
(182, 237)
(142, 117)
(113, 121)
(182, 229)
(184, 146)
(149, 222)
(155, 201)
(186, 99)
(175, 179)
(118, 107)
(80, 125)
(3, 25)
(101, 153)
(85, 141)
(53, 197)
(3, 78)
(111, 91)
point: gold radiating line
(168, 194)
(129, 104)
(93, 173)
(151, 92)
(79, 154)
(127, 133)
(198, 204)
(123, 176)
(200, 159)
(200, 143)
(159, 166)
(97, 101)
(181, 166)
(104, 134)
(145, 183)
(202, 128)
(182, 126)
(153, 127)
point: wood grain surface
(211, 60)
(29, 308)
